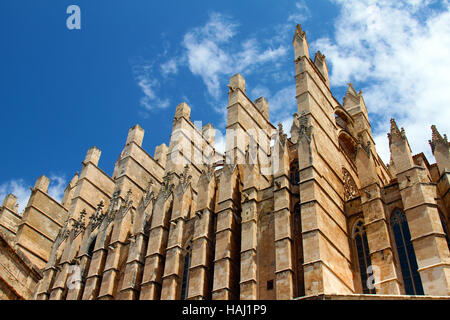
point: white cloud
(19, 188)
(169, 67)
(57, 186)
(397, 53)
(144, 76)
(259, 91)
(301, 14)
(220, 142)
(211, 54)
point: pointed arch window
(406, 254)
(294, 173)
(91, 247)
(185, 278)
(298, 250)
(362, 251)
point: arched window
(298, 250)
(363, 255)
(445, 227)
(406, 254)
(185, 279)
(91, 247)
(294, 173)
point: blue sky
(63, 91)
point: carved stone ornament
(208, 172)
(125, 205)
(350, 189)
(437, 139)
(365, 146)
(62, 234)
(113, 207)
(304, 130)
(148, 194)
(166, 187)
(185, 177)
(395, 132)
(281, 135)
(80, 224)
(97, 217)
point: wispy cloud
(301, 13)
(397, 53)
(148, 82)
(211, 53)
(57, 186)
(169, 67)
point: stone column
(76, 292)
(97, 263)
(45, 284)
(327, 259)
(66, 267)
(284, 268)
(94, 276)
(441, 151)
(157, 243)
(226, 262)
(249, 237)
(117, 253)
(200, 270)
(173, 268)
(375, 220)
(427, 236)
(138, 246)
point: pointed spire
(395, 132)
(321, 64)
(351, 89)
(353, 98)
(299, 31)
(436, 138)
(301, 47)
(319, 55)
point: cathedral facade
(317, 214)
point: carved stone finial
(299, 31)
(185, 177)
(278, 185)
(148, 194)
(79, 225)
(437, 139)
(128, 195)
(149, 186)
(320, 56)
(281, 135)
(125, 205)
(97, 217)
(208, 172)
(364, 146)
(166, 187)
(395, 132)
(305, 130)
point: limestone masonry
(314, 216)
